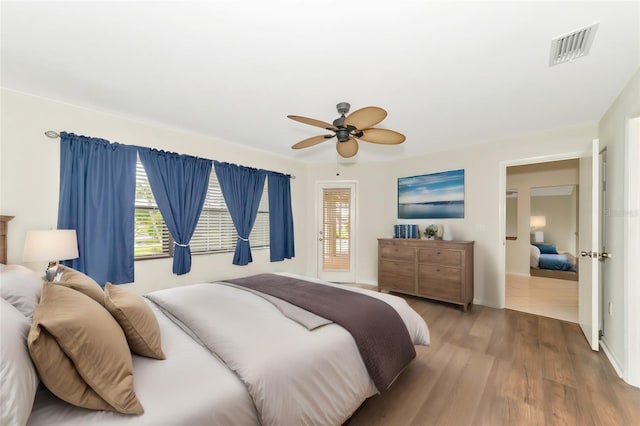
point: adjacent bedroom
(542, 239)
(356, 213)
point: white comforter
(295, 376)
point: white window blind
(214, 232)
(336, 228)
(152, 238)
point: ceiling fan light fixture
(349, 128)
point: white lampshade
(538, 221)
(51, 245)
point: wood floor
(502, 367)
(548, 297)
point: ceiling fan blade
(313, 122)
(312, 141)
(366, 117)
(382, 136)
(347, 149)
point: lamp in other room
(538, 222)
(51, 246)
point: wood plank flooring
(502, 367)
(548, 297)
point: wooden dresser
(4, 229)
(441, 270)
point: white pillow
(18, 377)
(21, 287)
(534, 256)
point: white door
(588, 245)
(335, 231)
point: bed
(546, 261)
(232, 356)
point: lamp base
(51, 271)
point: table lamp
(538, 222)
(51, 246)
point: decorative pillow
(534, 256)
(547, 248)
(21, 287)
(81, 352)
(137, 320)
(18, 378)
(82, 283)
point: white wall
(523, 178)
(561, 226)
(612, 135)
(30, 181)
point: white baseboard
(612, 359)
(369, 283)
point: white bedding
(294, 375)
(277, 372)
(190, 387)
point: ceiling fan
(357, 125)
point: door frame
(354, 222)
(631, 366)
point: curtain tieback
(243, 239)
(180, 245)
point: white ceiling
(449, 74)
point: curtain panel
(97, 199)
(242, 189)
(281, 243)
(179, 184)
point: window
(152, 238)
(214, 232)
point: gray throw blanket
(380, 334)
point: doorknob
(605, 255)
(585, 253)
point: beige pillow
(137, 320)
(81, 353)
(82, 283)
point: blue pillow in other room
(547, 248)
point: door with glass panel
(335, 231)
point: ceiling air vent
(572, 46)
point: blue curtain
(97, 199)
(242, 189)
(179, 184)
(280, 217)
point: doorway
(589, 213)
(541, 229)
(336, 217)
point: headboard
(3, 237)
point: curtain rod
(55, 135)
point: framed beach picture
(432, 196)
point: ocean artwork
(432, 196)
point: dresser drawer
(391, 251)
(440, 282)
(436, 269)
(399, 276)
(445, 257)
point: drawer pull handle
(438, 252)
